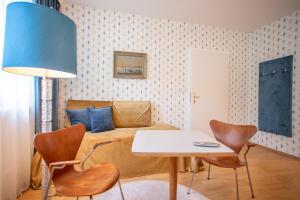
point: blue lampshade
(39, 41)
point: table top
(176, 143)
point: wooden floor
(274, 176)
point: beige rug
(148, 190)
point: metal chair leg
(121, 189)
(193, 175)
(237, 184)
(208, 173)
(191, 182)
(249, 178)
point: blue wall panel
(275, 96)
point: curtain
(16, 126)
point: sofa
(128, 117)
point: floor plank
(274, 176)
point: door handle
(195, 97)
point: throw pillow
(101, 119)
(80, 117)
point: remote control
(206, 144)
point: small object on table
(206, 144)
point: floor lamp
(40, 41)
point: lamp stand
(46, 120)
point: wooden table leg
(173, 178)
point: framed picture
(130, 65)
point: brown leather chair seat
(97, 179)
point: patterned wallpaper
(278, 39)
(100, 32)
(166, 42)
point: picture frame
(130, 65)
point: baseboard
(276, 151)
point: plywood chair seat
(225, 162)
(95, 180)
(59, 149)
(234, 137)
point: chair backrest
(60, 145)
(233, 136)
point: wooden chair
(59, 149)
(235, 137)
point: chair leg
(193, 175)
(208, 173)
(191, 182)
(121, 189)
(77, 198)
(91, 197)
(237, 184)
(249, 178)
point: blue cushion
(101, 119)
(80, 117)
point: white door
(209, 74)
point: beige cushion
(131, 114)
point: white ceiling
(242, 15)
